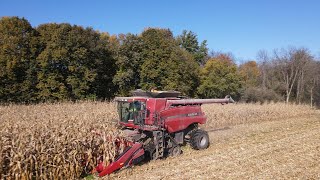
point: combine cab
(157, 124)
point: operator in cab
(134, 109)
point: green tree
(129, 61)
(183, 73)
(219, 78)
(74, 63)
(166, 66)
(18, 49)
(188, 40)
(104, 63)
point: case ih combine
(157, 124)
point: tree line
(54, 62)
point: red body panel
(154, 105)
(179, 118)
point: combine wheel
(199, 139)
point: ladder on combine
(159, 143)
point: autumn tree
(261, 86)
(18, 50)
(250, 73)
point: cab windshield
(131, 111)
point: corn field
(55, 141)
(67, 140)
(232, 114)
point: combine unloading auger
(157, 124)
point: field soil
(287, 148)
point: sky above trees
(240, 27)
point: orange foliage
(250, 73)
(224, 58)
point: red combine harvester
(157, 124)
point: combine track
(279, 149)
